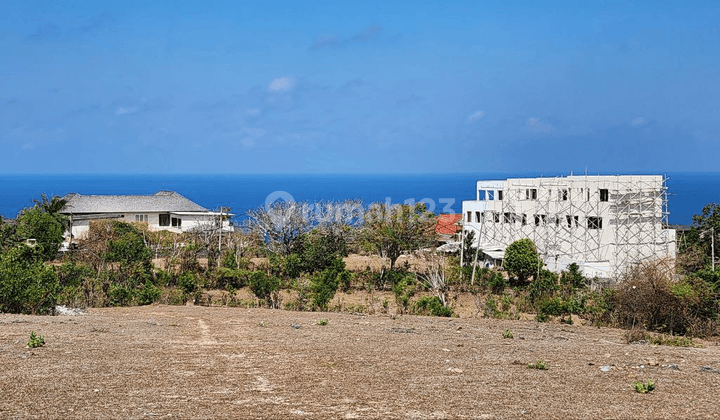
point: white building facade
(164, 210)
(605, 224)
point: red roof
(446, 224)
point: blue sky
(324, 87)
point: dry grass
(210, 362)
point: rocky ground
(216, 362)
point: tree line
(298, 249)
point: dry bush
(635, 335)
(649, 299)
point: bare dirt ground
(216, 362)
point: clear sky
(362, 86)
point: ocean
(444, 193)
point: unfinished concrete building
(605, 224)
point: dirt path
(180, 362)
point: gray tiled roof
(161, 201)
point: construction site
(605, 224)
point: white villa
(164, 210)
(605, 224)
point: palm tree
(53, 206)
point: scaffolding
(620, 220)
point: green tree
(468, 248)
(8, 233)
(320, 248)
(522, 260)
(34, 223)
(696, 246)
(27, 284)
(53, 206)
(391, 230)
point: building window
(540, 219)
(531, 194)
(524, 219)
(508, 218)
(176, 222)
(481, 195)
(496, 217)
(562, 195)
(477, 216)
(141, 218)
(164, 220)
(491, 195)
(500, 195)
(469, 217)
(572, 221)
(594, 222)
(604, 195)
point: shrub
(119, 295)
(644, 387)
(650, 299)
(572, 278)
(73, 273)
(507, 334)
(404, 291)
(188, 282)
(326, 282)
(322, 322)
(677, 341)
(164, 278)
(265, 287)
(494, 280)
(27, 284)
(71, 296)
(148, 294)
(224, 277)
(35, 340)
(431, 305)
(539, 365)
(174, 296)
(544, 285)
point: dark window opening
(469, 216)
(500, 195)
(524, 219)
(563, 195)
(508, 218)
(531, 194)
(176, 222)
(594, 222)
(496, 217)
(164, 220)
(477, 216)
(604, 195)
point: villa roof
(161, 201)
(447, 224)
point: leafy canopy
(522, 260)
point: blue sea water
(444, 193)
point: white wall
(631, 222)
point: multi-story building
(605, 224)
